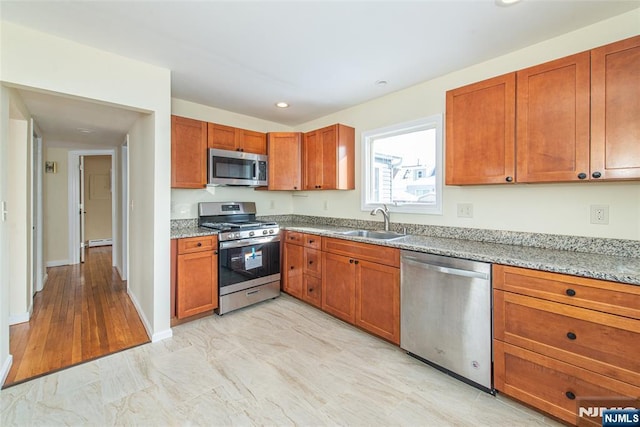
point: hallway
(83, 313)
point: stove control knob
(271, 231)
(265, 232)
(251, 234)
(237, 235)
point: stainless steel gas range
(248, 253)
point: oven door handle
(248, 242)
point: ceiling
(319, 56)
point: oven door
(246, 263)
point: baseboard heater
(100, 242)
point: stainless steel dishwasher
(446, 315)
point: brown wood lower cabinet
(361, 285)
(292, 264)
(559, 339)
(196, 276)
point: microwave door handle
(255, 170)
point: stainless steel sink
(380, 235)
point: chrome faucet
(385, 214)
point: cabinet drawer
(197, 244)
(312, 262)
(363, 251)
(312, 241)
(294, 237)
(603, 343)
(549, 384)
(611, 297)
(312, 289)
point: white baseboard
(6, 367)
(57, 263)
(44, 280)
(162, 335)
(100, 242)
(14, 319)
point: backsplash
(615, 247)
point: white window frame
(431, 122)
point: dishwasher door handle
(445, 270)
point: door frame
(37, 239)
(124, 174)
(74, 194)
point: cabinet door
(378, 300)
(285, 160)
(480, 146)
(197, 283)
(312, 161)
(222, 137)
(252, 142)
(293, 264)
(552, 126)
(338, 286)
(312, 287)
(188, 153)
(615, 110)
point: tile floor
(280, 363)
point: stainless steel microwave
(237, 168)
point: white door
(81, 210)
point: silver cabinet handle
(445, 270)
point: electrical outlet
(326, 205)
(465, 210)
(599, 214)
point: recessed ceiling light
(282, 104)
(380, 82)
(506, 2)
(84, 130)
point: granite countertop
(606, 267)
(598, 266)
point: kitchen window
(402, 167)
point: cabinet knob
(310, 262)
(570, 292)
(310, 290)
(199, 244)
(509, 179)
(571, 335)
(215, 252)
(570, 395)
(292, 267)
(350, 261)
(311, 241)
(295, 188)
(582, 175)
(356, 261)
(596, 174)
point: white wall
(38, 61)
(184, 202)
(55, 208)
(544, 208)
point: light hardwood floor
(83, 313)
(277, 363)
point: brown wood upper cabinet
(285, 159)
(552, 120)
(236, 139)
(188, 153)
(615, 110)
(328, 158)
(481, 132)
(575, 120)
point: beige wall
(97, 197)
(55, 210)
(544, 208)
(184, 203)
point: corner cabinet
(196, 275)
(559, 339)
(285, 156)
(329, 158)
(571, 119)
(361, 285)
(480, 121)
(188, 153)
